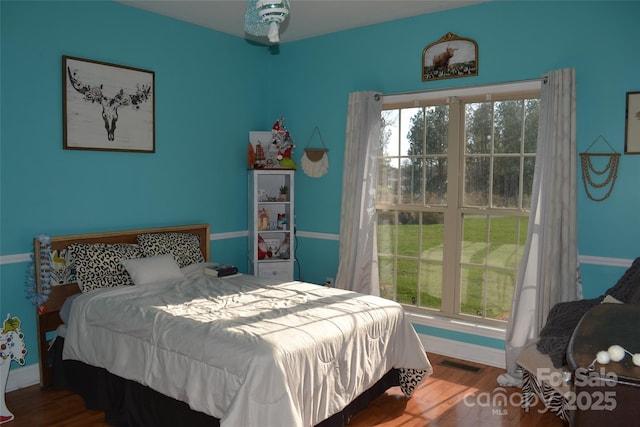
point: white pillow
(153, 269)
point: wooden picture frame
(451, 56)
(632, 124)
(107, 107)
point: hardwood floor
(452, 396)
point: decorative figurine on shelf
(284, 144)
(271, 155)
(263, 220)
(11, 348)
(283, 253)
(251, 156)
(282, 221)
(260, 160)
(284, 190)
(263, 249)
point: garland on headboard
(39, 298)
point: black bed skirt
(127, 403)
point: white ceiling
(308, 18)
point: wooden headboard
(49, 314)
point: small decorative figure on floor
(11, 348)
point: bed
(180, 347)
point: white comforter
(248, 350)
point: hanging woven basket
(315, 161)
(315, 154)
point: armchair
(546, 371)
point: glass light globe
(263, 18)
(616, 353)
(273, 10)
(603, 357)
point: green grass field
(490, 255)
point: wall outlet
(328, 281)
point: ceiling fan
(263, 18)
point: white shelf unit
(276, 232)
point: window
(453, 194)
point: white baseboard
(22, 377)
(461, 350)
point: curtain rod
(543, 80)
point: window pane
(527, 185)
(386, 230)
(389, 133)
(476, 181)
(486, 292)
(431, 285)
(489, 266)
(408, 234)
(506, 182)
(437, 129)
(504, 249)
(508, 126)
(411, 188)
(432, 236)
(431, 260)
(471, 290)
(435, 187)
(411, 131)
(478, 127)
(424, 131)
(434, 190)
(387, 277)
(532, 109)
(474, 239)
(407, 285)
(387, 177)
(500, 285)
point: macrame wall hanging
(606, 174)
(315, 161)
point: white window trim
(455, 325)
(486, 91)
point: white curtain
(358, 266)
(547, 273)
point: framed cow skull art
(107, 107)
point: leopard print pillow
(98, 265)
(184, 247)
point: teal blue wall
(460, 336)
(213, 88)
(207, 98)
(518, 40)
